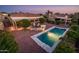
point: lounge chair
(42, 27)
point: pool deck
(26, 43)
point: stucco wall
(1, 26)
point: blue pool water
(50, 37)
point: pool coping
(46, 47)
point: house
(9, 20)
(53, 16)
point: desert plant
(64, 48)
(42, 20)
(23, 23)
(71, 42)
(7, 42)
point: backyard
(21, 41)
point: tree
(7, 42)
(46, 17)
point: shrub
(42, 20)
(7, 42)
(64, 48)
(71, 42)
(57, 21)
(73, 32)
(52, 21)
(75, 28)
(62, 21)
(23, 23)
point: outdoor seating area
(41, 28)
(32, 25)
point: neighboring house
(53, 16)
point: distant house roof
(61, 15)
(24, 15)
(20, 16)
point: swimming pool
(49, 39)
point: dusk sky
(39, 8)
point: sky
(40, 8)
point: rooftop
(24, 15)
